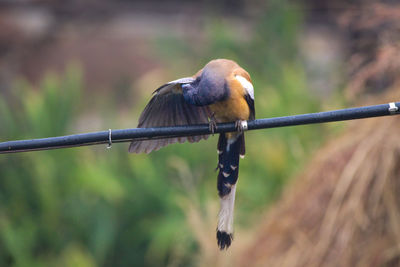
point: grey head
(211, 84)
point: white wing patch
(173, 85)
(246, 84)
(182, 80)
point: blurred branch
(127, 135)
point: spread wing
(167, 107)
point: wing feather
(167, 107)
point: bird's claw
(212, 125)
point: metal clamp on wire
(243, 126)
(109, 139)
(393, 109)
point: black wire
(126, 135)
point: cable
(126, 135)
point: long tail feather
(229, 150)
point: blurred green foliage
(81, 206)
(96, 207)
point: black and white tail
(231, 147)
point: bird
(221, 91)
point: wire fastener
(393, 108)
(243, 125)
(109, 139)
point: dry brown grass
(374, 33)
(344, 210)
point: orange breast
(235, 107)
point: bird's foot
(241, 125)
(212, 124)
